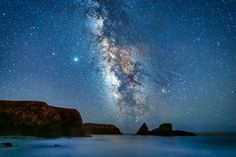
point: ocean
(120, 146)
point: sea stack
(143, 130)
(164, 129)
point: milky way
(122, 68)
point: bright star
(76, 59)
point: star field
(125, 61)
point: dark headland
(36, 118)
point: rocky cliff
(93, 128)
(35, 118)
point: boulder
(36, 118)
(93, 128)
(143, 130)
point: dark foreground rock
(6, 144)
(143, 130)
(35, 118)
(93, 128)
(165, 129)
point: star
(76, 59)
(164, 90)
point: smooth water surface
(121, 146)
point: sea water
(121, 146)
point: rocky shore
(36, 118)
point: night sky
(124, 61)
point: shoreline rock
(101, 129)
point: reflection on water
(121, 146)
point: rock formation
(93, 128)
(35, 118)
(143, 130)
(164, 129)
